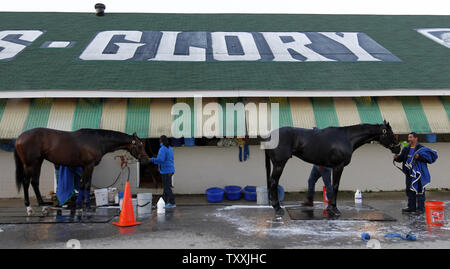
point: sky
(391, 7)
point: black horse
(83, 148)
(331, 147)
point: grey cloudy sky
(401, 7)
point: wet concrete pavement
(241, 225)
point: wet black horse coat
(331, 147)
(83, 148)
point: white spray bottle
(161, 206)
(358, 197)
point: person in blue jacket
(414, 159)
(164, 160)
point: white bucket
(101, 197)
(144, 203)
(112, 192)
(262, 197)
(134, 201)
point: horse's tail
(267, 168)
(19, 171)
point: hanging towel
(408, 237)
(244, 150)
(68, 179)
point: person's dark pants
(167, 194)
(415, 201)
(314, 176)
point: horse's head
(387, 138)
(137, 149)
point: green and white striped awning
(152, 117)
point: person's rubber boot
(408, 210)
(308, 202)
(420, 211)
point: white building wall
(8, 177)
(199, 168)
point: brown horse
(83, 148)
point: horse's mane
(364, 126)
(106, 135)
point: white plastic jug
(161, 206)
(358, 197)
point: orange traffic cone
(325, 197)
(127, 212)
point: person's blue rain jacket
(403, 157)
(164, 160)
(418, 169)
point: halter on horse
(331, 147)
(83, 148)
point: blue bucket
(214, 195)
(177, 142)
(233, 192)
(431, 138)
(250, 193)
(189, 142)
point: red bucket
(325, 198)
(435, 213)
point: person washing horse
(414, 159)
(317, 172)
(164, 160)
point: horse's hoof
(29, 210)
(45, 210)
(333, 212)
(277, 219)
(279, 213)
(86, 209)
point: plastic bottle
(161, 206)
(358, 197)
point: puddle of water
(258, 221)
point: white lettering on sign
(12, 42)
(166, 50)
(124, 51)
(222, 52)
(438, 35)
(350, 41)
(201, 46)
(282, 50)
(235, 46)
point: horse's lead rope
(393, 162)
(117, 178)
